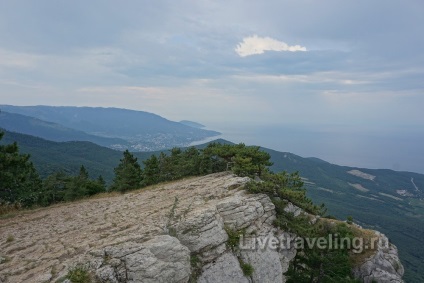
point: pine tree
(96, 186)
(151, 171)
(78, 186)
(54, 188)
(19, 181)
(101, 182)
(83, 173)
(191, 162)
(128, 174)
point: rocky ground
(40, 245)
(172, 232)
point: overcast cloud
(356, 62)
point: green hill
(49, 156)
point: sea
(396, 148)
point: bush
(79, 274)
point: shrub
(79, 274)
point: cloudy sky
(325, 62)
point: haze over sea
(400, 149)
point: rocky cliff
(186, 231)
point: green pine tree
(83, 173)
(128, 174)
(101, 182)
(19, 181)
(54, 188)
(151, 172)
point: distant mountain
(145, 131)
(192, 124)
(389, 201)
(54, 132)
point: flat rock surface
(40, 245)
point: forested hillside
(389, 201)
(50, 157)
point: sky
(330, 62)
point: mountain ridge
(192, 124)
(52, 131)
(144, 131)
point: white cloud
(252, 45)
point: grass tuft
(247, 268)
(79, 274)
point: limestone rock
(161, 259)
(265, 262)
(383, 266)
(291, 208)
(202, 229)
(254, 212)
(226, 268)
(174, 232)
(287, 251)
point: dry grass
(369, 237)
(102, 195)
(370, 241)
(7, 209)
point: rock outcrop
(161, 259)
(383, 266)
(177, 232)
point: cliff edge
(185, 231)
